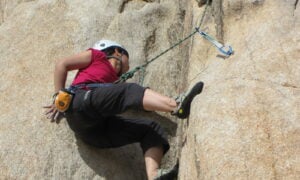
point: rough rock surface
(245, 124)
(35, 34)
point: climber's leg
(153, 158)
(154, 101)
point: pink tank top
(98, 71)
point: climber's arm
(62, 67)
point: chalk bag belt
(89, 86)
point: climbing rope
(142, 67)
(130, 74)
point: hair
(110, 51)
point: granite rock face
(36, 34)
(245, 124)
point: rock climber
(97, 102)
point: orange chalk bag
(63, 100)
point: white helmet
(103, 44)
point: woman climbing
(97, 101)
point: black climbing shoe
(203, 2)
(170, 174)
(184, 101)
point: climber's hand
(52, 113)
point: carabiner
(220, 46)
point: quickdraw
(226, 50)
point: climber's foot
(170, 174)
(184, 101)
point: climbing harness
(63, 98)
(89, 86)
(220, 47)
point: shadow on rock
(169, 126)
(114, 163)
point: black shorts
(94, 117)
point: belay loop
(220, 46)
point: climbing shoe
(184, 101)
(170, 174)
(203, 2)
